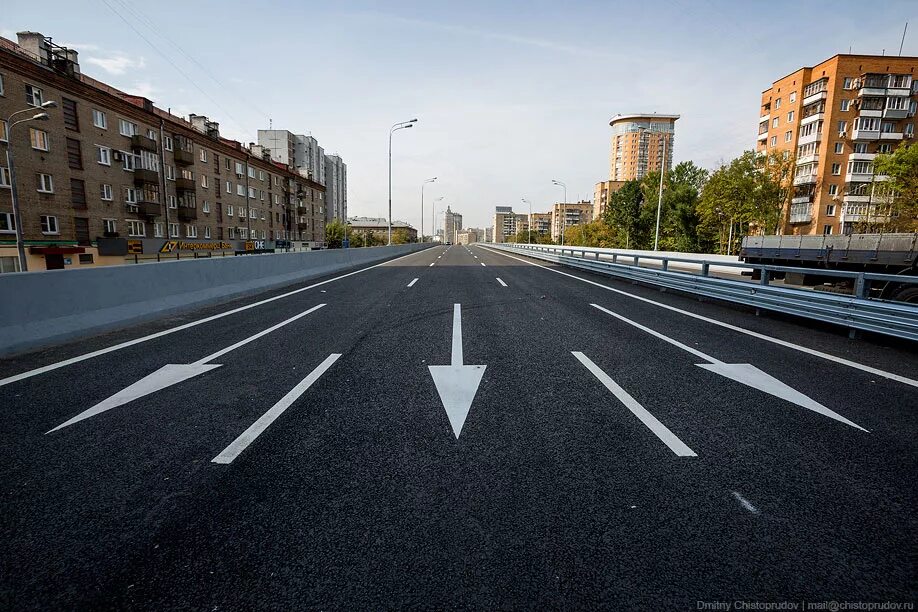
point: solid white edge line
(411, 284)
(172, 330)
(264, 421)
(501, 282)
(651, 422)
(748, 332)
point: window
(207, 232)
(229, 187)
(69, 113)
(105, 192)
(74, 154)
(774, 141)
(4, 177)
(39, 139)
(103, 155)
(109, 226)
(3, 131)
(170, 173)
(251, 172)
(151, 134)
(774, 122)
(253, 214)
(262, 195)
(252, 192)
(909, 129)
(126, 128)
(45, 183)
(205, 206)
(239, 169)
(790, 117)
(842, 128)
(7, 223)
(827, 230)
(173, 230)
(836, 169)
(860, 147)
(884, 148)
(848, 83)
(136, 228)
(240, 189)
(830, 210)
(229, 210)
(203, 155)
(1, 84)
(34, 95)
(833, 189)
(788, 135)
(231, 232)
(778, 103)
(262, 216)
(204, 180)
(276, 199)
(49, 225)
(845, 103)
(130, 195)
(173, 202)
(261, 175)
(839, 147)
(167, 143)
(78, 193)
(191, 231)
(228, 163)
(158, 229)
(244, 233)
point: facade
(641, 143)
(297, 150)
(507, 223)
(335, 188)
(452, 224)
(601, 195)
(470, 235)
(540, 223)
(110, 175)
(379, 227)
(565, 215)
(832, 119)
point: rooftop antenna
(901, 44)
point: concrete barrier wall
(42, 308)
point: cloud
(143, 88)
(116, 63)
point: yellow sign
(170, 246)
(135, 247)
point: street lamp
(529, 225)
(397, 126)
(563, 220)
(430, 180)
(14, 194)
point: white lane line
(501, 282)
(482, 263)
(745, 503)
(255, 429)
(411, 284)
(742, 330)
(659, 429)
(172, 330)
(456, 356)
(432, 263)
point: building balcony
(853, 213)
(870, 112)
(891, 135)
(871, 91)
(801, 213)
(764, 118)
(805, 179)
(895, 113)
(143, 176)
(859, 177)
(183, 157)
(808, 159)
(184, 184)
(144, 143)
(898, 91)
(150, 209)
(814, 137)
(812, 118)
(802, 199)
(816, 97)
(763, 136)
(186, 213)
(865, 134)
(862, 156)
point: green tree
(334, 234)
(400, 236)
(594, 234)
(901, 166)
(678, 210)
(623, 214)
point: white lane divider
(503, 284)
(431, 264)
(744, 373)
(411, 284)
(745, 503)
(482, 263)
(651, 422)
(255, 429)
(172, 374)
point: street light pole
(397, 126)
(656, 238)
(529, 225)
(10, 164)
(430, 180)
(563, 219)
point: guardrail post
(597, 254)
(615, 258)
(860, 286)
(665, 265)
(765, 277)
(705, 269)
(635, 260)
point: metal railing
(856, 311)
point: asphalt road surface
(459, 428)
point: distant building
(540, 223)
(335, 188)
(641, 144)
(489, 234)
(565, 215)
(379, 227)
(471, 235)
(452, 223)
(297, 150)
(601, 195)
(508, 223)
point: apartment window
(827, 230)
(229, 187)
(126, 128)
(49, 225)
(130, 195)
(262, 193)
(262, 215)
(228, 163)
(261, 175)
(74, 154)
(252, 192)
(788, 135)
(836, 169)
(241, 211)
(78, 193)
(4, 177)
(774, 141)
(34, 95)
(167, 143)
(842, 128)
(69, 113)
(884, 148)
(204, 155)
(205, 206)
(839, 147)
(7, 223)
(848, 83)
(845, 103)
(151, 134)
(251, 172)
(833, 189)
(170, 173)
(4, 134)
(229, 210)
(240, 189)
(790, 117)
(276, 179)
(109, 226)
(239, 169)
(173, 230)
(45, 183)
(774, 122)
(231, 232)
(158, 230)
(244, 233)
(204, 181)
(105, 192)
(207, 232)
(276, 199)
(39, 139)
(191, 231)
(104, 155)
(860, 147)
(909, 129)
(253, 214)
(1, 85)
(128, 161)
(173, 202)
(777, 103)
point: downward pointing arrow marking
(744, 373)
(456, 383)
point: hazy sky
(509, 95)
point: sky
(508, 95)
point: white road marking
(482, 263)
(659, 429)
(457, 383)
(432, 263)
(255, 429)
(745, 503)
(172, 374)
(411, 284)
(744, 373)
(748, 332)
(172, 330)
(501, 282)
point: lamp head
(49, 104)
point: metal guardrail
(856, 312)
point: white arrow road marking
(172, 374)
(744, 373)
(456, 383)
(254, 430)
(659, 429)
(411, 284)
(503, 284)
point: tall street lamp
(563, 219)
(430, 180)
(397, 126)
(529, 225)
(14, 194)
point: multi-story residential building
(379, 228)
(565, 215)
(601, 195)
(507, 223)
(832, 119)
(641, 143)
(540, 223)
(452, 224)
(335, 188)
(470, 235)
(109, 174)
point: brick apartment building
(833, 119)
(109, 174)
